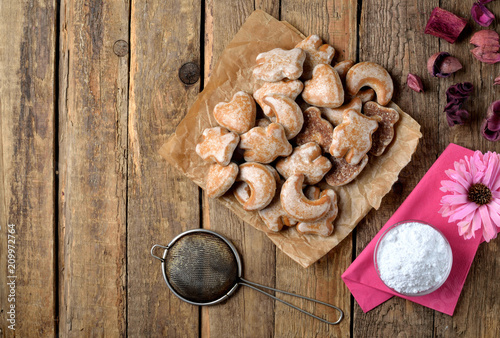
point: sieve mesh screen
(201, 267)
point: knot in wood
(189, 73)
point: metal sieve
(202, 267)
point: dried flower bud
(443, 65)
(482, 15)
(444, 24)
(455, 98)
(415, 83)
(487, 46)
(497, 81)
(491, 124)
(484, 1)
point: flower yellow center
(480, 194)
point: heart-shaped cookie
(237, 115)
(325, 88)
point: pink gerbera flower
(474, 201)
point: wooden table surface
(90, 90)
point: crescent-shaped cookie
(237, 115)
(370, 74)
(324, 225)
(261, 182)
(298, 206)
(290, 88)
(287, 113)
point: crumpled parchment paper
(260, 33)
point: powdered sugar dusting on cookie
(217, 145)
(264, 145)
(299, 206)
(287, 113)
(307, 160)
(353, 137)
(261, 182)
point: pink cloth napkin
(422, 204)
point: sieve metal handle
(158, 246)
(256, 287)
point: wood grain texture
(391, 34)
(478, 307)
(93, 170)
(161, 202)
(247, 313)
(335, 23)
(27, 165)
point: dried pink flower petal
(443, 64)
(497, 81)
(444, 24)
(415, 83)
(484, 1)
(456, 95)
(482, 15)
(487, 46)
(490, 127)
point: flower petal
(489, 230)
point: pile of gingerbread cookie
(274, 163)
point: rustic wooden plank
(27, 167)
(93, 170)
(481, 292)
(161, 202)
(247, 313)
(335, 22)
(391, 34)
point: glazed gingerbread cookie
(353, 137)
(279, 64)
(242, 191)
(324, 89)
(264, 145)
(323, 226)
(343, 172)
(298, 206)
(290, 88)
(334, 115)
(286, 112)
(305, 159)
(370, 74)
(315, 129)
(274, 216)
(217, 145)
(237, 115)
(261, 182)
(220, 179)
(343, 67)
(385, 133)
(316, 53)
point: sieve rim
(231, 246)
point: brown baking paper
(261, 33)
